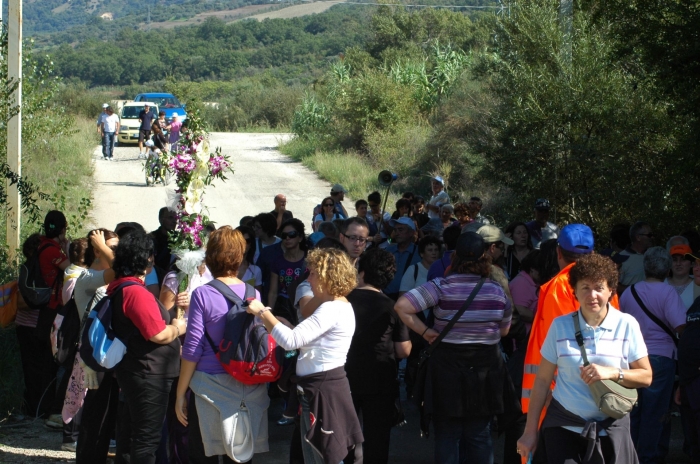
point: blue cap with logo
(576, 238)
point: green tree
(576, 128)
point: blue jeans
(647, 418)
(108, 144)
(461, 440)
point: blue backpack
(100, 348)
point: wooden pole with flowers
(194, 168)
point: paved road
(261, 172)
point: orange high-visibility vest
(556, 299)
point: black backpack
(68, 334)
(31, 283)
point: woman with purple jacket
(216, 396)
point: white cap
(105, 105)
(149, 143)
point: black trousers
(39, 370)
(377, 415)
(97, 423)
(194, 440)
(146, 402)
(567, 447)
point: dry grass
(297, 10)
(226, 15)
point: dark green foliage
(294, 50)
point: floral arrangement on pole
(194, 167)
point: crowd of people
(502, 330)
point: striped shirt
(481, 323)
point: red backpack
(247, 352)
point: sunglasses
(286, 235)
(329, 204)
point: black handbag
(422, 371)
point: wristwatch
(620, 375)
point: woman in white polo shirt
(614, 346)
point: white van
(129, 121)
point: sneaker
(55, 421)
(142, 156)
(69, 447)
(284, 420)
(112, 452)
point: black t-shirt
(286, 215)
(371, 366)
(689, 345)
(146, 120)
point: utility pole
(14, 125)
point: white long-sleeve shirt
(323, 339)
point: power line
(472, 7)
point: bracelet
(262, 311)
(178, 330)
(426, 329)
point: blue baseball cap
(576, 238)
(403, 220)
(439, 179)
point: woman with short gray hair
(661, 314)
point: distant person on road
(102, 115)
(109, 129)
(174, 132)
(146, 120)
(159, 137)
(281, 213)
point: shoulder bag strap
(651, 316)
(456, 317)
(579, 337)
(410, 258)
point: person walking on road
(102, 115)
(110, 130)
(146, 119)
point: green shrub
(77, 100)
(372, 101)
(311, 118)
(397, 150)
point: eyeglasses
(328, 204)
(355, 238)
(286, 235)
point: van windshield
(163, 102)
(132, 112)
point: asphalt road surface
(260, 173)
